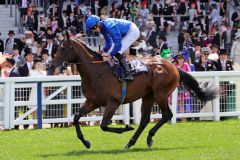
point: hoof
(127, 146)
(87, 144)
(149, 142)
(129, 128)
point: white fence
(58, 98)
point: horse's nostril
(65, 64)
(51, 67)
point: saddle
(136, 67)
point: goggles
(94, 27)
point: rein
(65, 63)
(92, 62)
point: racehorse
(102, 88)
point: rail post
(174, 106)
(11, 106)
(39, 104)
(216, 103)
(136, 111)
(126, 113)
(7, 106)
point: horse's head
(65, 54)
(73, 51)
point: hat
(166, 53)
(205, 49)
(140, 50)
(215, 46)
(11, 60)
(37, 60)
(134, 2)
(184, 53)
(144, 3)
(11, 32)
(43, 39)
(45, 51)
(197, 43)
(49, 36)
(27, 51)
(162, 37)
(43, 29)
(28, 32)
(15, 46)
(223, 51)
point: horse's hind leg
(86, 108)
(147, 104)
(110, 109)
(166, 115)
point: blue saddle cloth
(135, 66)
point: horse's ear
(67, 36)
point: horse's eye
(62, 47)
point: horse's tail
(205, 91)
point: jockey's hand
(106, 57)
(101, 52)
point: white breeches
(132, 35)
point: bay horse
(102, 88)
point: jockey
(121, 33)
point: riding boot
(125, 66)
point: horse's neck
(90, 75)
(86, 70)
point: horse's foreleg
(147, 104)
(166, 115)
(108, 114)
(86, 108)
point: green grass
(183, 141)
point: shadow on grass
(116, 151)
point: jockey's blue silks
(119, 34)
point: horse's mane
(92, 52)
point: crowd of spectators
(204, 28)
(208, 38)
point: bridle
(65, 63)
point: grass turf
(183, 141)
